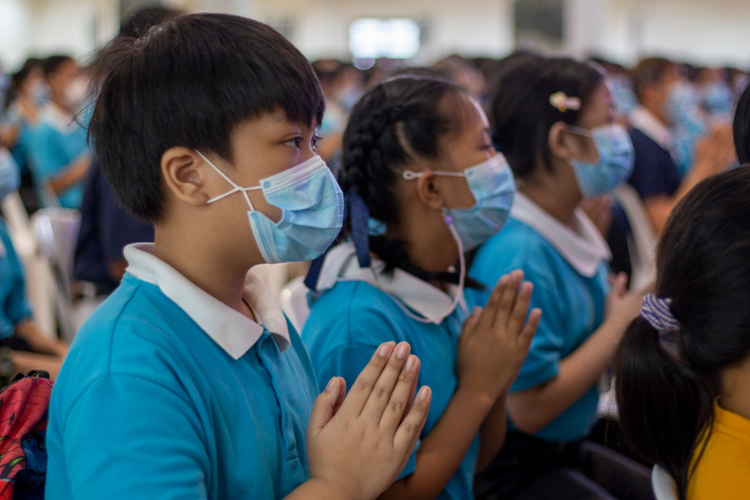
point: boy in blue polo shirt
(189, 382)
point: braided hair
(397, 121)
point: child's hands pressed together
(494, 341)
(358, 443)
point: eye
(316, 139)
(294, 142)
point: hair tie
(657, 311)
(563, 102)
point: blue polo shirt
(14, 307)
(55, 143)
(168, 393)
(570, 276)
(353, 316)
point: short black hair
(188, 83)
(650, 70)
(53, 63)
(143, 20)
(521, 114)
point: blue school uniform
(14, 307)
(359, 309)
(55, 143)
(169, 393)
(570, 275)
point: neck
(199, 260)
(657, 112)
(58, 101)
(429, 244)
(551, 199)
(734, 394)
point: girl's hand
(622, 307)
(359, 444)
(494, 341)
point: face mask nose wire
(231, 182)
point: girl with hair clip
(683, 369)
(554, 120)
(424, 184)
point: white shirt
(584, 248)
(232, 330)
(430, 302)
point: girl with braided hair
(424, 184)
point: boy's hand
(494, 341)
(359, 444)
(622, 307)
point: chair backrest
(293, 298)
(642, 245)
(664, 486)
(56, 231)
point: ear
(560, 141)
(183, 175)
(428, 191)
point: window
(384, 38)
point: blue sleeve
(654, 172)
(15, 306)
(546, 351)
(46, 152)
(129, 437)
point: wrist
(481, 398)
(337, 489)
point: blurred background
(699, 32)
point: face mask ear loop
(231, 182)
(461, 262)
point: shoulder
(354, 312)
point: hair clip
(563, 103)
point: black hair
(18, 78)
(53, 63)
(397, 121)
(521, 114)
(143, 20)
(649, 71)
(666, 388)
(742, 126)
(188, 83)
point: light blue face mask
(10, 177)
(615, 164)
(682, 104)
(718, 99)
(312, 211)
(492, 185)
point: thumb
(325, 405)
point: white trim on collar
(341, 264)
(233, 331)
(645, 121)
(584, 249)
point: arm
(492, 433)
(534, 408)
(71, 174)
(713, 154)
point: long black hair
(520, 111)
(742, 127)
(395, 122)
(666, 386)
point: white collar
(645, 121)
(58, 118)
(341, 264)
(233, 331)
(584, 249)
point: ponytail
(670, 362)
(665, 407)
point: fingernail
(402, 351)
(331, 384)
(410, 363)
(385, 349)
(424, 392)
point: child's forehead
(278, 118)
